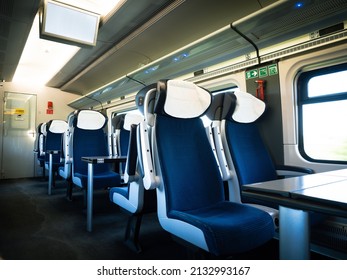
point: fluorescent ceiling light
(42, 59)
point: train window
(322, 85)
(322, 100)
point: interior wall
(270, 124)
(44, 94)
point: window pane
(325, 130)
(327, 84)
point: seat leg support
(69, 190)
(132, 233)
(50, 175)
(294, 234)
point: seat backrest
(250, 156)
(39, 156)
(88, 139)
(183, 158)
(53, 132)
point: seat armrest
(290, 170)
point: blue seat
(132, 198)
(39, 143)
(190, 194)
(252, 110)
(245, 152)
(88, 139)
(53, 132)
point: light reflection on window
(327, 84)
(324, 123)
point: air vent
(6, 8)
(331, 234)
(331, 29)
(225, 70)
(273, 56)
(305, 46)
(4, 28)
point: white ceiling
(139, 33)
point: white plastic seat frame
(133, 204)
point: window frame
(304, 99)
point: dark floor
(35, 226)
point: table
(324, 192)
(91, 162)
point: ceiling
(138, 33)
(141, 36)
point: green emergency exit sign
(252, 74)
(273, 70)
(262, 72)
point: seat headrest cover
(90, 120)
(58, 126)
(132, 118)
(248, 108)
(186, 100)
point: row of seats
(171, 159)
(48, 141)
(83, 136)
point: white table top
(335, 192)
(292, 184)
(326, 190)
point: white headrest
(185, 99)
(90, 120)
(58, 126)
(132, 118)
(248, 108)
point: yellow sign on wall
(19, 111)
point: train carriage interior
(190, 129)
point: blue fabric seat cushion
(229, 227)
(249, 150)
(124, 191)
(188, 165)
(105, 179)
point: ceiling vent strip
(334, 38)
(305, 46)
